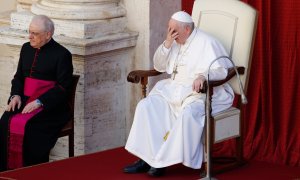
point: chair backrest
(68, 129)
(234, 24)
(71, 94)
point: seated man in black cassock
(37, 107)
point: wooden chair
(234, 24)
(68, 130)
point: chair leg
(239, 150)
(71, 145)
(203, 170)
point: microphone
(243, 96)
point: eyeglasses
(35, 33)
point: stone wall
(149, 18)
(7, 5)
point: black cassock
(51, 62)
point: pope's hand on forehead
(172, 34)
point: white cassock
(169, 122)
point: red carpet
(108, 165)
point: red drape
(272, 116)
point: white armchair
(234, 24)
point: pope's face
(38, 37)
(183, 32)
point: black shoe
(156, 171)
(138, 167)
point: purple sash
(33, 88)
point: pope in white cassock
(169, 122)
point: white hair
(46, 22)
(184, 24)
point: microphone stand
(208, 134)
(207, 115)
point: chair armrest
(142, 77)
(231, 73)
(137, 75)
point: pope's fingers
(176, 36)
(199, 88)
(200, 85)
(194, 89)
(169, 33)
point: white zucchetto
(182, 17)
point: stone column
(150, 19)
(6, 7)
(24, 5)
(95, 32)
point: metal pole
(207, 114)
(208, 134)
